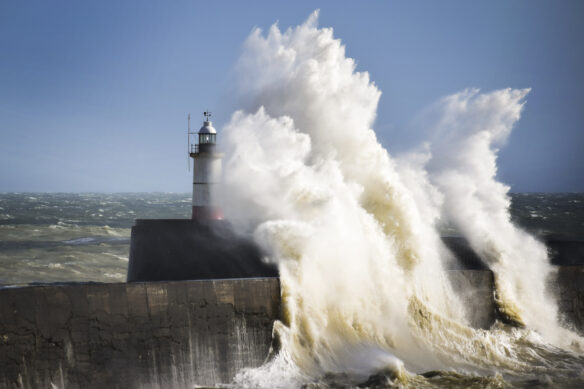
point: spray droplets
(354, 231)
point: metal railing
(194, 149)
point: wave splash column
(206, 172)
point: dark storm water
(56, 237)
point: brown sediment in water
(507, 312)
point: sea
(85, 237)
(75, 237)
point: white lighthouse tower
(206, 171)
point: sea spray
(352, 230)
(467, 128)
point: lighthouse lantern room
(206, 170)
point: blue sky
(94, 95)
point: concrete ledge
(159, 334)
(184, 249)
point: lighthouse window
(206, 138)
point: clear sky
(94, 95)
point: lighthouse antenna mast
(189, 142)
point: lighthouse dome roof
(207, 128)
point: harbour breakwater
(135, 335)
(178, 334)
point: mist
(354, 230)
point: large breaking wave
(354, 230)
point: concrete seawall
(140, 335)
(183, 249)
(568, 287)
(177, 334)
(475, 288)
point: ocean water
(79, 237)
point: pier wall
(184, 249)
(476, 290)
(135, 335)
(177, 334)
(567, 284)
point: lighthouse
(206, 171)
(203, 247)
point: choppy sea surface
(63, 237)
(60, 237)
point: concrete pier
(184, 249)
(475, 289)
(567, 285)
(138, 335)
(181, 333)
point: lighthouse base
(183, 249)
(207, 213)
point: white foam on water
(123, 258)
(78, 241)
